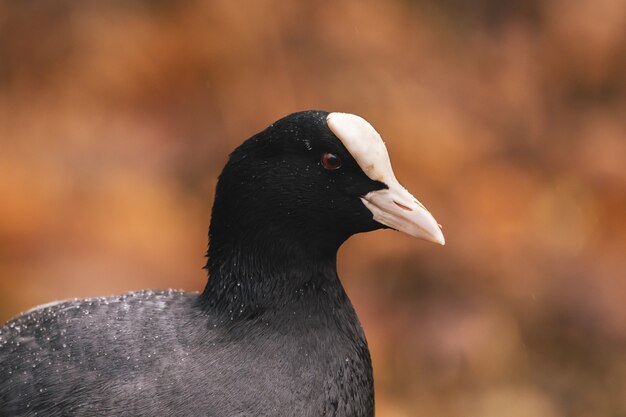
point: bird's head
(318, 177)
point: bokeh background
(506, 118)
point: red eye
(331, 161)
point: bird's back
(77, 355)
(160, 353)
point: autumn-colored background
(506, 118)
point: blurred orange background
(507, 119)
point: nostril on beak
(418, 203)
(402, 206)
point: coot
(273, 333)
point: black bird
(273, 333)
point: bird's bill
(397, 208)
(394, 206)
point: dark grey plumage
(156, 353)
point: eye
(331, 161)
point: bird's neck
(253, 276)
(293, 293)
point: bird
(273, 333)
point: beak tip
(439, 238)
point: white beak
(397, 208)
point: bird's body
(272, 334)
(90, 357)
